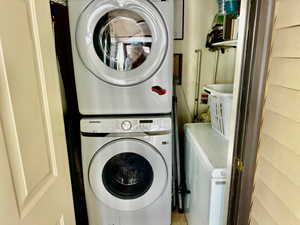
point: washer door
(122, 42)
(128, 174)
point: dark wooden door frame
(250, 105)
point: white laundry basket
(220, 105)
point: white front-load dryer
(123, 55)
(127, 170)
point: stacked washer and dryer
(123, 54)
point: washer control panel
(117, 125)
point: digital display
(146, 121)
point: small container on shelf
(232, 7)
(221, 4)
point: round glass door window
(122, 40)
(127, 175)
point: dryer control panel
(126, 125)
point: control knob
(126, 125)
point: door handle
(159, 90)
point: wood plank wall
(276, 198)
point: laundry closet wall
(277, 185)
(199, 15)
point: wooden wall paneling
(285, 72)
(282, 101)
(288, 13)
(286, 42)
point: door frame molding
(250, 107)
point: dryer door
(128, 174)
(122, 42)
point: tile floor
(178, 219)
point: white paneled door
(35, 186)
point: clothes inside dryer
(122, 39)
(127, 175)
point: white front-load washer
(123, 55)
(127, 170)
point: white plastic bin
(220, 105)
